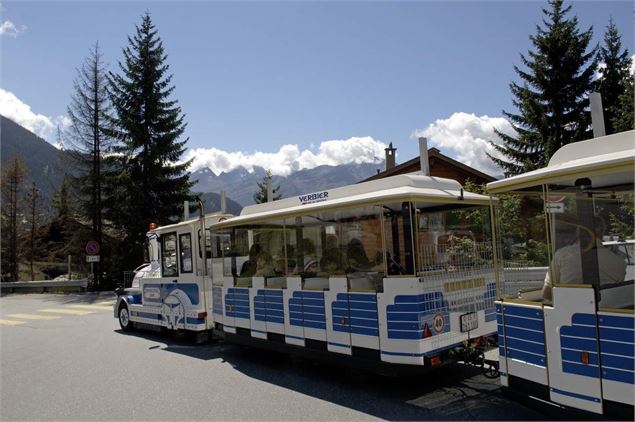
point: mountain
(241, 184)
(211, 202)
(44, 163)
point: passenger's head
(263, 259)
(254, 251)
(307, 246)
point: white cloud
(289, 158)
(10, 29)
(21, 113)
(466, 138)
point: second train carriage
(398, 270)
(571, 339)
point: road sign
(92, 258)
(92, 247)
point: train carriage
(398, 271)
(570, 338)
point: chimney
(186, 210)
(390, 156)
(423, 156)
(223, 202)
(597, 114)
(269, 189)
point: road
(63, 357)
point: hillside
(44, 163)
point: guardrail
(44, 285)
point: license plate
(469, 322)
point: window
(185, 246)
(398, 231)
(169, 266)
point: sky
(293, 84)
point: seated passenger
(566, 266)
(264, 265)
(356, 257)
(249, 267)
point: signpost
(92, 253)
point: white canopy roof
(434, 190)
(607, 160)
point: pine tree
(13, 175)
(61, 201)
(615, 75)
(261, 195)
(33, 200)
(145, 183)
(624, 118)
(552, 100)
(88, 111)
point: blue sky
(272, 82)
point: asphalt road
(66, 359)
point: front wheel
(124, 318)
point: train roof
(209, 220)
(434, 190)
(606, 160)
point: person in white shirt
(566, 266)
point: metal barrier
(44, 286)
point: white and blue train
(570, 340)
(394, 271)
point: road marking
(107, 302)
(66, 311)
(33, 316)
(9, 322)
(97, 307)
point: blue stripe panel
(525, 357)
(148, 315)
(531, 324)
(581, 369)
(217, 300)
(575, 395)
(617, 334)
(408, 316)
(616, 321)
(523, 312)
(576, 356)
(583, 319)
(268, 306)
(501, 351)
(578, 331)
(134, 299)
(237, 303)
(525, 346)
(619, 362)
(356, 313)
(524, 334)
(627, 377)
(195, 320)
(578, 344)
(622, 349)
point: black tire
(123, 315)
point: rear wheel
(124, 318)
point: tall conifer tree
(12, 180)
(88, 112)
(612, 82)
(145, 182)
(261, 194)
(552, 99)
